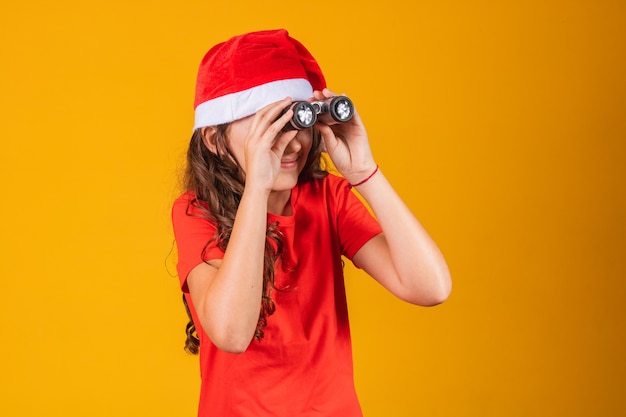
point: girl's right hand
(264, 143)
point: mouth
(289, 163)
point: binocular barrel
(334, 110)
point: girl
(262, 228)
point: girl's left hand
(347, 144)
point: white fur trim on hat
(235, 106)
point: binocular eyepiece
(334, 110)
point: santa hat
(238, 77)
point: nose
(294, 146)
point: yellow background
(502, 124)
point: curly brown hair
(217, 182)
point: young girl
(262, 228)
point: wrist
(256, 192)
(365, 179)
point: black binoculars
(334, 110)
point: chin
(286, 181)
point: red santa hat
(238, 77)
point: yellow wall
(501, 123)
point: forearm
(420, 272)
(233, 299)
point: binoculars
(334, 110)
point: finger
(329, 139)
(271, 112)
(282, 141)
(268, 121)
(327, 93)
(279, 123)
(323, 145)
(318, 95)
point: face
(292, 162)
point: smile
(289, 163)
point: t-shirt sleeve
(194, 238)
(355, 224)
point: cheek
(238, 130)
(235, 142)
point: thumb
(329, 141)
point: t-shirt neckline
(287, 220)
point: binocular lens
(334, 110)
(304, 114)
(343, 110)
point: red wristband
(365, 180)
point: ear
(208, 138)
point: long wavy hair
(217, 181)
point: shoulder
(331, 184)
(187, 205)
(184, 198)
(331, 192)
(191, 218)
(182, 203)
(335, 182)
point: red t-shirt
(303, 365)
